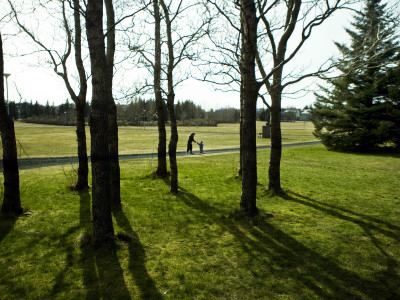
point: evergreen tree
(13, 110)
(393, 107)
(47, 109)
(37, 109)
(24, 110)
(354, 113)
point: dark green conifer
(360, 110)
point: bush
(197, 122)
(49, 120)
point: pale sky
(42, 84)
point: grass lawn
(36, 140)
(335, 235)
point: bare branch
(264, 101)
(223, 13)
(317, 73)
(31, 35)
(291, 20)
(111, 27)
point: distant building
(304, 116)
(290, 114)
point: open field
(37, 140)
(335, 235)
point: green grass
(335, 234)
(36, 140)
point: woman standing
(189, 144)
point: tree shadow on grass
(370, 225)
(110, 280)
(362, 220)
(87, 259)
(288, 258)
(137, 257)
(84, 224)
(382, 151)
(7, 223)
(102, 272)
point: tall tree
(179, 45)
(103, 229)
(80, 103)
(393, 105)
(11, 202)
(162, 135)
(146, 46)
(358, 111)
(60, 61)
(279, 20)
(178, 38)
(112, 108)
(173, 142)
(285, 44)
(249, 88)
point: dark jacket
(191, 139)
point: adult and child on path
(190, 146)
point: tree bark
(249, 94)
(170, 104)
(114, 159)
(240, 170)
(83, 169)
(11, 202)
(274, 177)
(162, 140)
(103, 229)
(162, 136)
(275, 91)
(173, 142)
(80, 101)
(112, 110)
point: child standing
(201, 145)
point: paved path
(31, 163)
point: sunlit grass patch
(334, 233)
(37, 140)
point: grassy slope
(45, 140)
(335, 235)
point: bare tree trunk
(249, 158)
(11, 202)
(80, 101)
(83, 169)
(275, 88)
(162, 139)
(240, 170)
(112, 110)
(103, 229)
(170, 103)
(173, 142)
(249, 94)
(114, 159)
(162, 136)
(274, 177)
(275, 91)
